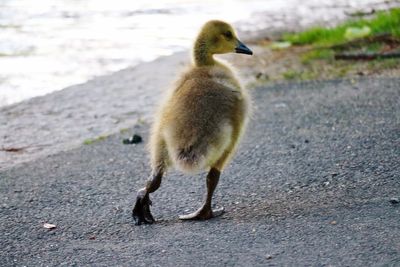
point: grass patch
(320, 45)
(383, 22)
(124, 130)
(291, 75)
(94, 140)
(301, 75)
(383, 64)
(315, 54)
(326, 54)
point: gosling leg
(205, 212)
(141, 211)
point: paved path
(310, 186)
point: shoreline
(64, 119)
(267, 20)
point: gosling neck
(201, 53)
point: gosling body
(199, 125)
(201, 120)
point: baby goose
(200, 124)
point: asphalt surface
(310, 186)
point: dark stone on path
(135, 139)
(394, 200)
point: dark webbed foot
(141, 211)
(203, 214)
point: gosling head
(217, 37)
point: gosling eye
(228, 35)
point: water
(47, 45)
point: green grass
(124, 130)
(303, 75)
(94, 140)
(326, 54)
(291, 75)
(383, 64)
(383, 22)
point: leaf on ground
(49, 226)
(280, 45)
(357, 32)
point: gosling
(200, 124)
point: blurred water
(47, 45)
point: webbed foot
(203, 214)
(141, 211)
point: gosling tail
(190, 159)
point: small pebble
(135, 139)
(394, 200)
(360, 73)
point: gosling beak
(242, 49)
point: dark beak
(242, 49)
